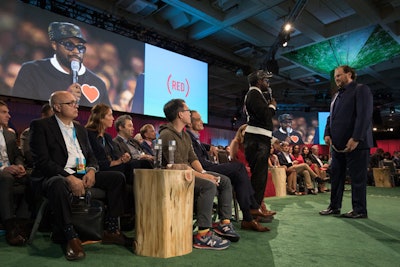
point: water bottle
(158, 154)
(171, 151)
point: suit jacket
(14, 153)
(49, 151)
(147, 149)
(351, 117)
(283, 161)
(123, 147)
(201, 152)
(104, 157)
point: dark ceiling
(237, 36)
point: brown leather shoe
(254, 225)
(74, 250)
(266, 211)
(260, 213)
(116, 238)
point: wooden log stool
(382, 177)
(164, 212)
(279, 180)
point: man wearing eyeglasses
(38, 79)
(65, 164)
(349, 133)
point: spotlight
(285, 37)
(287, 27)
(392, 110)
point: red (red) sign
(179, 86)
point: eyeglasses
(184, 110)
(340, 151)
(71, 46)
(71, 103)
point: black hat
(255, 76)
(62, 30)
(285, 117)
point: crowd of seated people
(380, 159)
(66, 158)
(40, 150)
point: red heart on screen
(294, 139)
(90, 92)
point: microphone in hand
(75, 65)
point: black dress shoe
(329, 211)
(117, 238)
(354, 215)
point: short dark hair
(120, 121)
(172, 108)
(347, 69)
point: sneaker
(227, 231)
(210, 241)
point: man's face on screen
(64, 53)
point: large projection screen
(139, 78)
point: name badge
(80, 165)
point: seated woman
(236, 148)
(109, 157)
(236, 153)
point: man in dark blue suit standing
(349, 133)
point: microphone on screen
(75, 65)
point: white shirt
(72, 144)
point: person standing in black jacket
(260, 108)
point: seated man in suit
(126, 143)
(322, 167)
(46, 112)
(148, 134)
(286, 159)
(236, 172)
(12, 172)
(64, 166)
(206, 185)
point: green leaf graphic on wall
(359, 49)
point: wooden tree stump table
(164, 212)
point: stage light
(284, 44)
(287, 27)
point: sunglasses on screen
(71, 46)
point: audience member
(38, 79)
(286, 159)
(46, 112)
(321, 169)
(237, 148)
(206, 185)
(376, 158)
(237, 174)
(148, 134)
(126, 143)
(57, 143)
(108, 155)
(387, 156)
(12, 173)
(396, 159)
